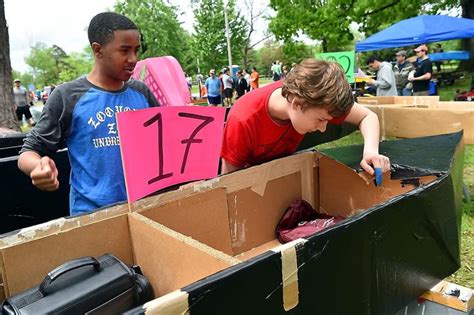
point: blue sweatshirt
(81, 116)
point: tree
(76, 65)
(325, 20)
(468, 44)
(209, 41)
(271, 51)
(44, 62)
(294, 52)
(7, 116)
(162, 34)
(252, 17)
(329, 20)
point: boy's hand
(377, 161)
(45, 175)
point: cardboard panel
(412, 122)
(454, 105)
(418, 122)
(399, 100)
(202, 216)
(26, 264)
(170, 260)
(343, 192)
(253, 217)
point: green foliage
(329, 20)
(77, 64)
(42, 63)
(294, 52)
(326, 20)
(25, 78)
(51, 65)
(162, 34)
(210, 42)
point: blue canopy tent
(450, 55)
(419, 30)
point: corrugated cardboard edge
(289, 272)
(436, 294)
(172, 303)
(256, 179)
(60, 225)
(182, 192)
(188, 240)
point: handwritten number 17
(157, 118)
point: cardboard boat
(24, 205)
(210, 247)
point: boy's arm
(42, 170)
(368, 123)
(43, 141)
(228, 167)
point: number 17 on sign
(170, 145)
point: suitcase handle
(67, 267)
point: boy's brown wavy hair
(318, 83)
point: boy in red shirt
(270, 122)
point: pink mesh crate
(165, 78)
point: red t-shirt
(251, 136)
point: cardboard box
(210, 247)
(419, 116)
(443, 299)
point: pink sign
(164, 146)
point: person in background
(228, 83)
(189, 81)
(247, 78)
(81, 115)
(284, 72)
(241, 84)
(254, 79)
(22, 100)
(276, 71)
(385, 82)
(402, 69)
(213, 88)
(422, 76)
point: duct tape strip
(173, 303)
(261, 179)
(289, 273)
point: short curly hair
(102, 26)
(318, 83)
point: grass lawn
(446, 93)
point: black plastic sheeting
(373, 263)
(10, 144)
(333, 132)
(22, 204)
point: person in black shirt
(241, 85)
(424, 69)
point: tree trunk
(7, 115)
(468, 43)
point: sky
(59, 22)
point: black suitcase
(84, 286)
